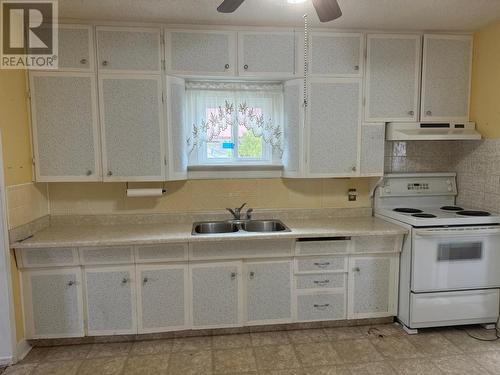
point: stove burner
(452, 208)
(473, 213)
(424, 216)
(408, 210)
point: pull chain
(306, 58)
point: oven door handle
(464, 232)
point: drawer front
(240, 249)
(377, 244)
(321, 264)
(315, 247)
(107, 255)
(326, 306)
(46, 257)
(446, 308)
(321, 281)
(161, 253)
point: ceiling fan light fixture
(295, 1)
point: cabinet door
(373, 286)
(268, 292)
(162, 298)
(132, 131)
(293, 142)
(53, 303)
(392, 77)
(216, 295)
(333, 126)
(65, 127)
(266, 54)
(129, 50)
(76, 48)
(446, 77)
(372, 149)
(201, 52)
(177, 135)
(110, 298)
(336, 54)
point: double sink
(218, 227)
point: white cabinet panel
(336, 54)
(392, 77)
(111, 300)
(446, 77)
(53, 303)
(293, 150)
(373, 286)
(320, 306)
(216, 294)
(372, 149)
(76, 48)
(132, 130)
(266, 53)
(65, 130)
(333, 125)
(201, 52)
(162, 298)
(268, 292)
(177, 135)
(132, 50)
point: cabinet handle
(245, 67)
(324, 264)
(321, 307)
(145, 280)
(356, 269)
(110, 173)
(411, 113)
(226, 66)
(252, 275)
(354, 169)
(83, 61)
(321, 282)
(428, 113)
(89, 173)
(233, 275)
(105, 63)
(356, 67)
(125, 280)
(71, 283)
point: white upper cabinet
(372, 149)
(267, 54)
(333, 126)
(177, 133)
(201, 52)
(336, 54)
(392, 77)
(446, 77)
(76, 48)
(128, 49)
(293, 145)
(65, 126)
(132, 127)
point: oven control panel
(406, 185)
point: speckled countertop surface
(134, 234)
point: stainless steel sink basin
(264, 226)
(214, 227)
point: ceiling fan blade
(327, 10)
(229, 6)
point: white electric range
(450, 263)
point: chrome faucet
(236, 212)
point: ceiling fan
(327, 10)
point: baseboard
(5, 361)
(22, 350)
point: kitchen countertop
(135, 234)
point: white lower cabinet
(321, 306)
(268, 292)
(373, 283)
(216, 294)
(53, 303)
(162, 298)
(111, 300)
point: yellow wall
(485, 99)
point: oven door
(455, 258)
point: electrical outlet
(352, 195)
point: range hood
(436, 131)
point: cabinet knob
(83, 61)
(356, 269)
(71, 283)
(428, 113)
(245, 67)
(354, 169)
(125, 280)
(233, 275)
(226, 66)
(145, 280)
(411, 113)
(105, 63)
(356, 67)
(89, 173)
(110, 173)
(252, 275)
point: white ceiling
(357, 14)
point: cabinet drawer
(240, 249)
(377, 244)
(323, 306)
(321, 264)
(45, 257)
(321, 281)
(107, 255)
(161, 253)
(318, 247)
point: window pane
(219, 134)
(249, 146)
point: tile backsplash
(26, 203)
